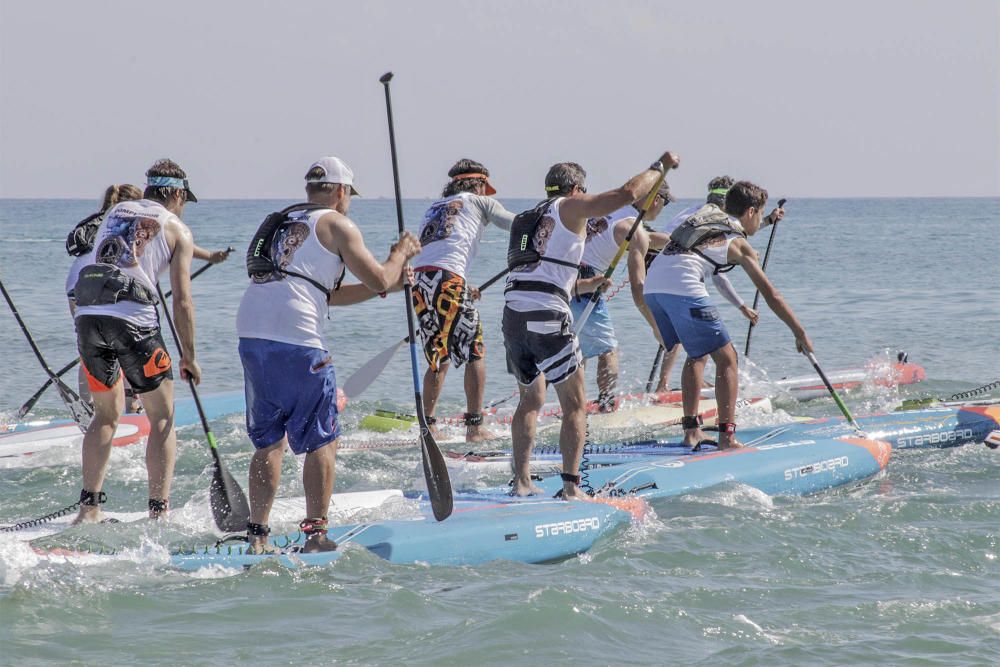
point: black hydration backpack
(260, 264)
(80, 241)
(705, 224)
(521, 249)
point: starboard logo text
(952, 437)
(828, 465)
(567, 527)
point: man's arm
(637, 248)
(214, 257)
(574, 211)
(349, 295)
(495, 213)
(182, 303)
(340, 235)
(742, 253)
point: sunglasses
(581, 188)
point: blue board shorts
(691, 321)
(597, 336)
(290, 390)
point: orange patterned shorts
(449, 324)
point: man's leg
(726, 390)
(161, 447)
(573, 431)
(108, 406)
(667, 367)
(607, 380)
(433, 384)
(475, 386)
(265, 475)
(318, 476)
(522, 434)
(691, 376)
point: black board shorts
(107, 344)
(540, 341)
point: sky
(855, 98)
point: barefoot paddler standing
(296, 263)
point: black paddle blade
(436, 474)
(230, 509)
(385, 78)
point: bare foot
(478, 434)
(259, 546)
(729, 441)
(573, 492)
(89, 514)
(693, 436)
(524, 488)
(318, 543)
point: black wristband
(657, 166)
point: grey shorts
(540, 341)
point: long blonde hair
(118, 193)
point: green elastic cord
(718, 191)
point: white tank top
(552, 239)
(450, 234)
(601, 246)
(684, 272)
(285, 308)
(131, 237)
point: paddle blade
(436, 474)
(229, 505)
(82, 413)
(30, 403)
(367, 374)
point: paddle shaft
(435, 468)
(833, 392)
(30, 403)
(655, 370)
(763, 267)
(595, 296)
(229, 504)
(81, 411)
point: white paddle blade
(364, 376)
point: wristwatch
(657, 166)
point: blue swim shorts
(598, 334)
(290, 389)
(693, 322)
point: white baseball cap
(335, 170)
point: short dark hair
(563, 177)
(718, 183)
(464, 166)
(163, 193)
(315, 174)
(742, 195)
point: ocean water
(901, 569)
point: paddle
(834, 394)
(229, 504)
(363, 378)
(435, 469)
(82, 413)
(655, 370)
(30, 403)
(596, 294)
(763, 267)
